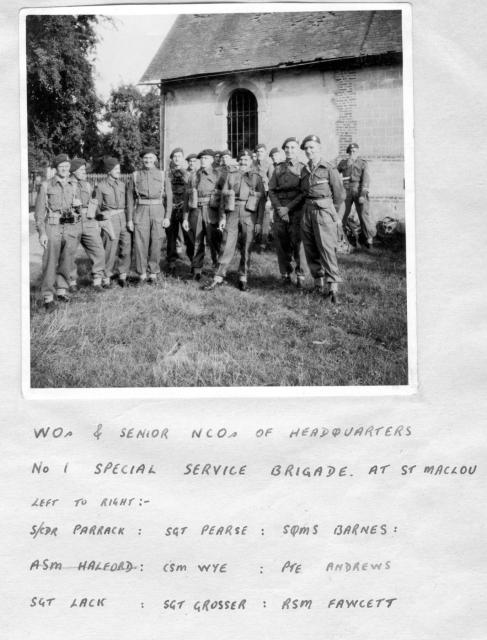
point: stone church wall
(363, 105)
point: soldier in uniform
(355, 172)
(193, 164)
(286, 199)
(225, 167)
(225, 160)
(216, 159)
(201, 206)
(322, 190)
(274, 156)
(265, 168)
(263, 165)
(112, 216)
(90, 231)
(179, 176)
(58, 222)
(241, 214)
(146, 215)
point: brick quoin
(345, 100)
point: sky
(126, 49)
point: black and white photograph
(243, 331)
(218, 197)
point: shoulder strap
(162, 182)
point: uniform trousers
(118, 250)
(287, 238)
(319, 233)
(92, 243)
(148, 234)
(203, 233)
(366, 225)
(239, 231)
(173, 234)
(58, 259)
(266, 222)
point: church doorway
(242, 125)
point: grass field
(174, 334)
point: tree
(62, 105)
(133, 118)
(149, 122)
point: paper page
(290, 512)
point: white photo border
(94, 393)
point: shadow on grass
(172, 334)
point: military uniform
(284, 191)
(179, 180)
(145, 208)
(321, 187)
(265, 169)
(356, 181)
(110, 194)
(203, 219)
(56, 216)
(240, 222)
(90, 235)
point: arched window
(242, 121)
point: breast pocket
(244, 191)
(121, 198)
(156, 187)
(54, 200)
(290, 181)
(104, 196)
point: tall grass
(174, 334)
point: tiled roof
(216, 43)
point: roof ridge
(241, 42)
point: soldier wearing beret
(146, 215)
(225, 160)
(193, 164)
(200, 211)
(225, 167)
(241, 213)
(286, 198)
(179, 177)
(274, 155)
(90, 232)
(58, 222)
(112, 216)
(355, 172)
(323, 194)
(216, 160)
